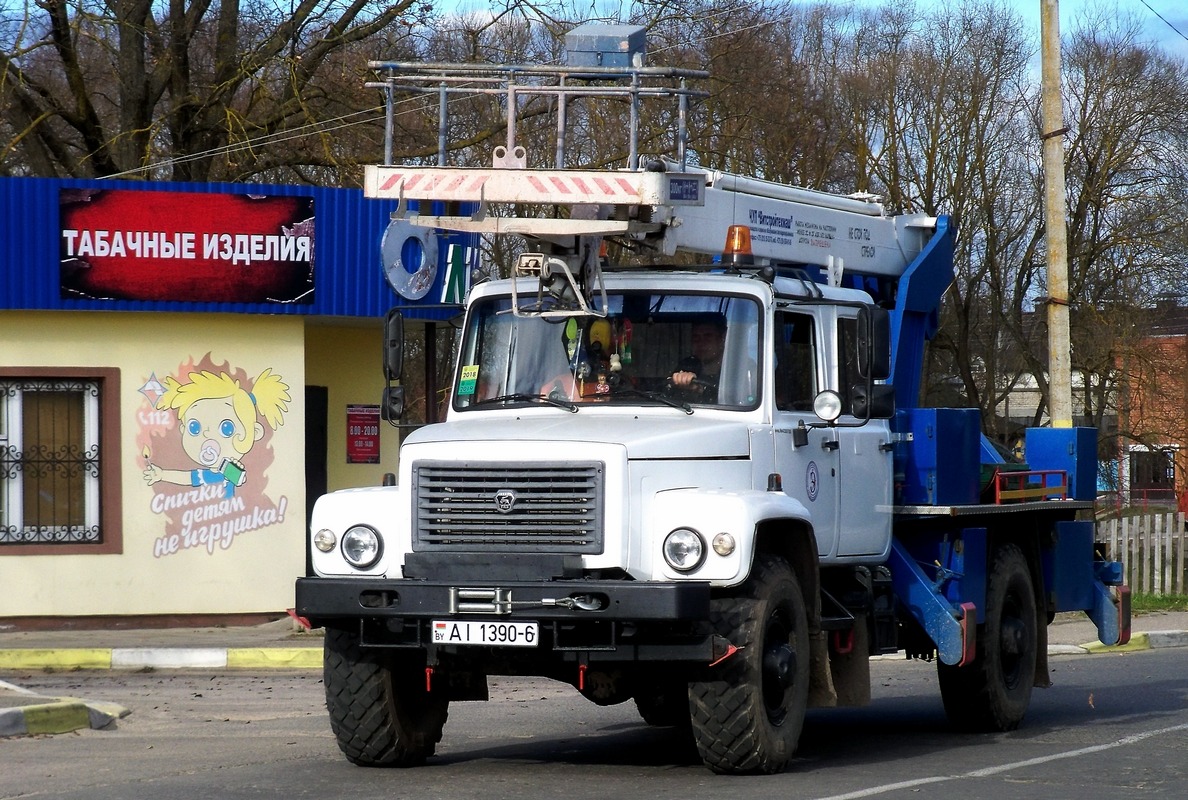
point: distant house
(1144, 437)
(1153, 409)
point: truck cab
(560, 384)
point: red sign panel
(127, 244)
(363, 436)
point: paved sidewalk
(284, 644)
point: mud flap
(1042, 679)
(822, 693)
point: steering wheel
(705, 386)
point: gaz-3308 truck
(706, 488)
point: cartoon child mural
(219, 424)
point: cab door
(865, 457)
(809, 472)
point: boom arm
(916, 317)
(670, 211)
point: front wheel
(380, 713)
(748, 718)
(663, 704)
(992, 693)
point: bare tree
(96, 89)
(941, 121)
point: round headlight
(325, 540)
(684, 550)
(827, 405)
(723, 544)
(361, 546)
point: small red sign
(363, 437)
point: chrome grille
(553, 507)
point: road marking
(988, 771)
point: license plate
(497, 634)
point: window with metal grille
(52, 462)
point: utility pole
(1052, 120)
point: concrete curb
(1138, 641)
(1146, 640)
(42, 718)
(1168, 638)
(1066, 650)
(58, 715)
(162, 658)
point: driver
(705, 365)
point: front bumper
(584, 619)
(326, 599)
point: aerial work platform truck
(704, 485)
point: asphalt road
(1113, 726)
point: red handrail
(1016, 487)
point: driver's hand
(683, 378)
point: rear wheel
(993, 693)
(380, 713)
(749, 717)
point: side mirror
(393, 345)
(874, 343)
(878, 403)
(392, 408)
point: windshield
(685, 350)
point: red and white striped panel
(514, 186)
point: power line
(1164, 20)
(323, 126)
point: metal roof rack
(564, 84)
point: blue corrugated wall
(349, 280)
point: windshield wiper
(529, 398)
(657, 396)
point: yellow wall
(255, 570)
(347, 359)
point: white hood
(644, 437)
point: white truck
(704, 489)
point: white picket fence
(1152, 548)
